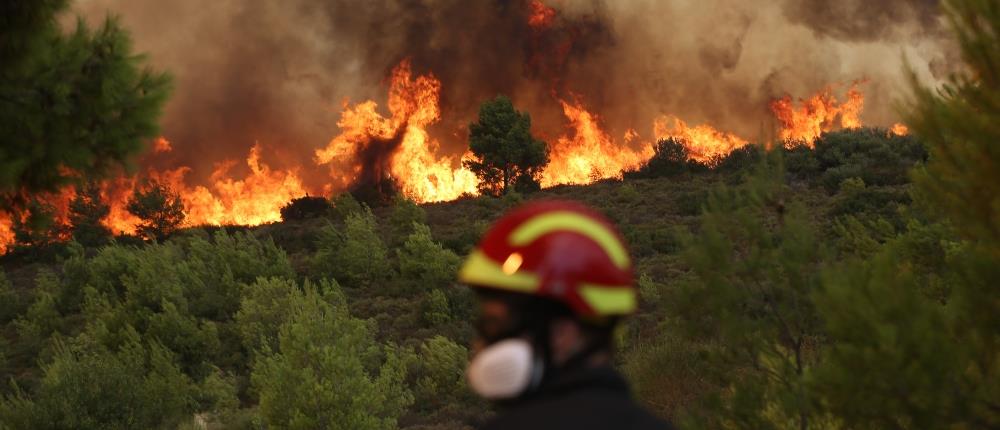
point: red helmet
(560, 250)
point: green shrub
(740, 159)
(425, 264)
(306, 207)
(404, 214)
(627, 194)
(690, 203)
(86, 212)
(355, 256)
(670, 158)
(10, 302)
(158, 208)
(854, 198)
(442, 372)
(328, 372)
(268, 303)
(874, 155)
(436, 310)
(89, 387)
(344, 204)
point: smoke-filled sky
(276, 73)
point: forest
(848, 282)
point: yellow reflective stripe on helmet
(572, 221)
(609, 300)
(481, 270)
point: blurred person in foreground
(553, 280)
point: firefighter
(553, 279)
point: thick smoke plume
(277, 72)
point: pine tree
(508, 157)
(86, 212)
(159, 208)
(906, 353)
(747, 311)
(71, 105)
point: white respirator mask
(504, 370)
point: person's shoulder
(578, 411)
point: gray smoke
(276, 72)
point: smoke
(277, 72)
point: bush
(268, 303)
(159, 209)
(670, 158)
(740, 159)
(305, 207)
(874, 155)
(628, 194)
(442, 371)
(436, 309)
(355, 256)
(328, 372)
(86, 212)
(9, 300)
(854, 198)
(344, 204)
(404, 214)
(424, 263)
(89, 387)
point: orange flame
(161, 144)
(589, 154)
(413, 105)
(541, 15)
(704, 143)
(817, 114)
(6, 232)
(254, 200)
(899, 129)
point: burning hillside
(235, 151)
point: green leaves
(356, 255)
(71, 105)
(327, 372)
(507, 156)
(159, 209)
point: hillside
(220, 304)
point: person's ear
(565, 338)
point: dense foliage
(72, 105)
(158, 208)
(507, 156)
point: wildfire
(899, 129)
(399, 142)
(588, 154)
(703, 142)
(541, 16)
(6, 232)
(397, 147)
(817, 114)
(161, 144)
(254, 200)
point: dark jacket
(596, 398)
